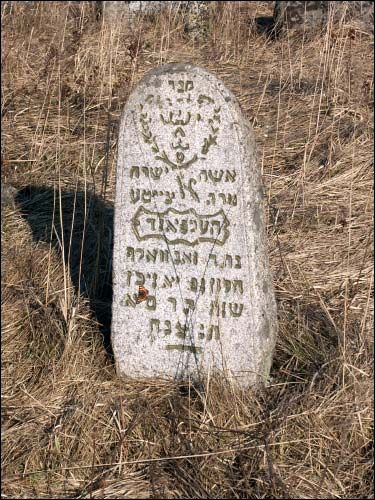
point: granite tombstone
(316, 15)
(192, 289)
(195, 15)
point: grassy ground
(71, 429)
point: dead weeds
(71, 429)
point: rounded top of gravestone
(150, 78)
(162, 81)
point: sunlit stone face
(192, 289)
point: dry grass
(71, 429)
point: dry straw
(71, 429)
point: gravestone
(119, 10)
(8, 194)
(189, 229)
(194, 14)
(315, 15)
(308, 14)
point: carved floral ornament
(166, 131)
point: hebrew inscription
(171, 134)
(189, 228)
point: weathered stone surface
(116, 11)
(315, 15)
(8, 193)
(189, 228)
(194, 13)
(290, 14)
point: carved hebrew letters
(184, 227)
(184, 295)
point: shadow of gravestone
(80, 225)
(266, 25)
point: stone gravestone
(315, 15)
(192, 289)
(195, 14)
(117, 10)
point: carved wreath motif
(180, 162)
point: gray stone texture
(8, 194)
(315, 15)
(189, 228)
(195, 14)
(115, 11)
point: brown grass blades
(71, 429)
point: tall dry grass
(71, 429)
